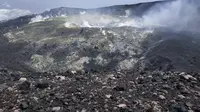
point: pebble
(181, 96)
(155, 94)
(106, 106)
(167, 87)
(172, 101)
(161, 97)
(61, 78)
(42, 85)
(56, 109)
(16, 110)
(24, 86)
(156, 107)
(190, 110)
(83, 110)
(182, 73)
(122, 106)
(164, 91)
(36, 99)
(10, 89)
(3, 87)
(24, 105)
(73, 72)
(188, 104)
(15, 77)
(178, 108)
(108, 96)
(22, 79)
(118, 88)
(187, 77)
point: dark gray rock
(24, 105)
(24, 85)
(3, 87)
(42, 85)
(15, 77)
(178, 108)
(119, 88)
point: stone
(118, 88)
(73, 72)
(3, 87)
(36, 99)
(190, 110)
(178, 108)
(154, 79)
(61, 78)
(42, 85)
(56, 109)
(162, 97)
(74, 98)
(108, 96)
(187, 77)
(181, 96)
(24, 86)
(122, 106)
(16, 110)
(156, 107)
(140, 80)
(125, 110)
(10, 89)
(22, 79)
(167, 87)
(106, 106)
(150, 110)
(197, 110)
(1, 110)
(182, 73)
(172, 101)
(15, 77)
(24, 105)
(83, 110)
(188, 104)
(164, 91)
(155, 94)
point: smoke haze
(180, 14)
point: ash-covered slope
(179, 52)
(50, 45)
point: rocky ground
(125, 91)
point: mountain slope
(117, 41)
(135, 9)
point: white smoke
(6, 14)
(82, 13)
(98, 20)
(38, 18)
(179, 14)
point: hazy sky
(41, 5)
